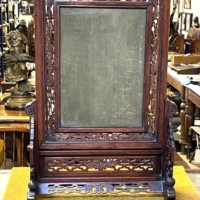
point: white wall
(195, 7)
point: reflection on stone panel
(102, 64)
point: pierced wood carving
(102, 188)
(50, 78)
(52, 135)
(153, 68)
(75, 137)
(106, 164)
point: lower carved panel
(101, 188)
(92, 165)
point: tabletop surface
(185, 80)
(12, 116)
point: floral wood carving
(153, 68)
(74, 137)
(101, 188)
(128, 164)
(50, 89)
(50, 133)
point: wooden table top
(8, 116)
(14, 127)
(193, 95)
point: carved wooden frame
(149, 132)
(68, 160)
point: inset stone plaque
(102, 53)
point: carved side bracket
(171, 109)
(31, 111)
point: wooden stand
(101, 123)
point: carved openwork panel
(102, 188)
(94, 165)
(84, 103)
(78, 137)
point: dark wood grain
(120, 158)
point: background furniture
(185, 21)
(16, 124)
(195, 132)
(192, 96)
(178, 81)
(8, 16)
(101, 123)
(176, 43)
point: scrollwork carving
(50, 78)
(153, 68)
(74, 137)
(31, 110)
(102, 188)
(50, 133)
(105, 164)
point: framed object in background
(187, 4)
(185, 21)
(26, 7)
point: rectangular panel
(101, 67)
(104, 165)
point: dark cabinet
(101, 123)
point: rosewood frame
(90, 159)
